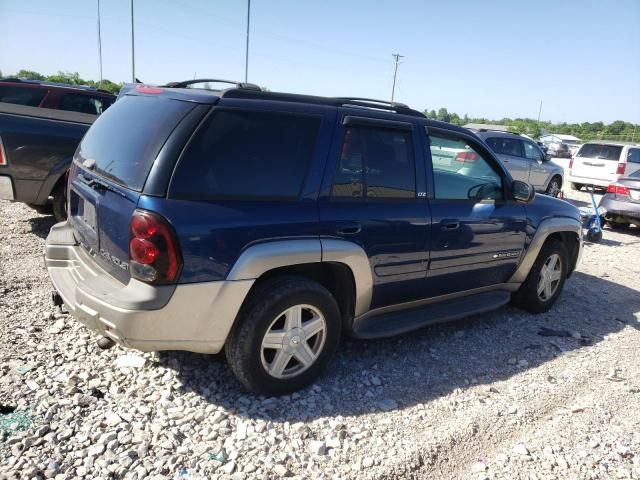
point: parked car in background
(525, 161)
(57, 96)
(622, 202)
(560, 145)
(603, 163)
(270, 224)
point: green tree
(443, 115)
(29, 74)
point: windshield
(605, 152)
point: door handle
(450, 225)
(349, 228)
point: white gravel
(482, 398)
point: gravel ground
(487, 397)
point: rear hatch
(597, 162)
(109, 171)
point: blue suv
(269, 225)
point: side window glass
(81, 103)
(532, 152)
(634, 155)
(505, 146)
(376, 163)
(460, 172)
(22, 96)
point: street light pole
(246, 53)
(133, 49)
(99, 46)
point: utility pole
(133, 49)
(99, 46)
(539, 112)
(397, 58)
(246, 53)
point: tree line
(69, 78)
(618, 130)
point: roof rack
(186, 83)
(316, 100)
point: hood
(544, 206)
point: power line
(397, 58)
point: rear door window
(604, 152)
(126, 139)
(75, 102)
(634, 155)
(247, 154)
(21, 95)
(506, 146)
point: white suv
(603, 163)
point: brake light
(571, 163)
(149, 89)
(154, 254)
(618, 189)
(466, 157)
(621, 168)
(3, 156)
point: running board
(397, 322)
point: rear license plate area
(83, 210)
(635, 194)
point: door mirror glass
(522, 191)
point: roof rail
(186, 83)
(316, 100)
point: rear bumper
(616, 208)
(195, 317)
(598, 182)
(6, 188)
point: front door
(477, 236)
(370, 197)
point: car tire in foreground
(546, 279)
(284, 335)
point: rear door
(510, 152)
(109, 172)
(597, 162)
(539, 169)
(477, 236)
(371, 196)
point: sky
(491, 58)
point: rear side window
(247, 154)
(22, 96)
(377, 161)
(634, 155)
(126, 139)
(83, 103)
(604, 152)
(506, 146)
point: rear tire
(545, 281)
(272, 348)
(59, 202)
(576, 186)
(619, 225)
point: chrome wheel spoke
(304, 354)
(548, 290)
(273, 339)
(293, 317)
(555, 275)
(541, 285)
(313, 327)
(279, 363)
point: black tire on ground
(619, 225)
(59, 202)
(243, 348)
(576, 186)
(527, 296)
(46, 209)
(555, 186)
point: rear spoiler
(127, 87)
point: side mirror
(522, 191)
(547, 156)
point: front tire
(284, 336)
(545, 281)
(554, 187)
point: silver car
(525, 161)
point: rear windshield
(605, 152)
(22, 95)
(125, 140)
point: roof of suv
(613, 142)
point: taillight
(466, 157)
(149, 89)
(618, 189)
(571, 163)
(3, 156)
(621, 168)
(154, 254)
